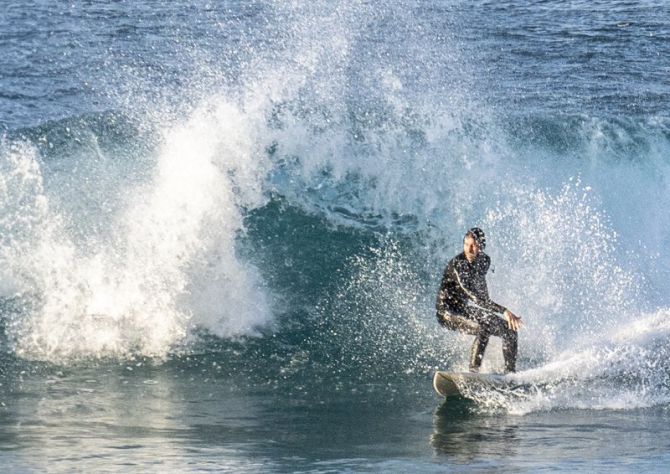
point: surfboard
(453, 383)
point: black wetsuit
(463, 304)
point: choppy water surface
(222, 226)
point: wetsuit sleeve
(486, 302)
(440, 302)
(479, 296)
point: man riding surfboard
(463, 303)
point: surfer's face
(470, 248)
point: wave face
(286, 188)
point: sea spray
(171, 254)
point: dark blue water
(222, 226)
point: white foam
(169, 265)
(623, 368)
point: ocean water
(223, 225)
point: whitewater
(222, 229)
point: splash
(624, 368)
(169, 264)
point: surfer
(463, 303)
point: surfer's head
(473, 243)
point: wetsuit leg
(457, 322)
(478, 349)
(491, 324)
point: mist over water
(293, 196)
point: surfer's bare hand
(513, 321)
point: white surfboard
(453, 383)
